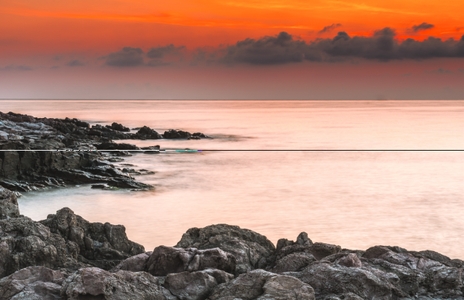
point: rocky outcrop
(102, 245)
(67, 257)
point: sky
(237, 49)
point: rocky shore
(67, 257)
(37, 153)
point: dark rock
(102, 245)
(8, 204)
(165, 260)
(251, 250)
(146, 133)
(118, 127)
(95, 283)
(136, 263)
(259, 284)
(195, 285)
(25, 243)
(176, 134)
(116, 146)
(32, 283)
(293, 262)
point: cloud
(75, 63)
(16, 68)
(127, 57)
(330, 28)
(267, 50)
(382, 45)
(164, 55)
(422, 26)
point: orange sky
(53, 26)
(79, 44)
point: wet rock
(165, 260)
(116, 146)
(259, 284)
(102, 245)
(8, 204)
(251, 250)
(32, 283)
(95, 283)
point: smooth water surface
(355, 199)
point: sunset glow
(50, 34)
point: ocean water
(355, 199)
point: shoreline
(67, 257)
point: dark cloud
(16, 68)
(127, 57)
(164, 55)
(330, 28)
(75, 63)
(422, 26)
(267, 50)
(382, 45)
(161, 52)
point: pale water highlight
(353, 199)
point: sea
(351, 173)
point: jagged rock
(293, 262)
(95, 283)
(165, 260)
(102, 245)
(25, 243)
(195, 285)
(116, 146)
(8, 204)
(261, 285)
(32, 283)
(251, 250)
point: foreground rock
(67, 257)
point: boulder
(146, 133)
(195, 285)
(102, 245)
(32, 283)
(165, 260)
(176, 134)
(95, 283)
(25, 243)
(250, 249)
(261, 285)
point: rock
(293, 262)
(195, 285)
(327, 279)
(102, 245)
(165, 260)
(118, 127)
(8, 204)
(116, 146)
(32, 283)
(251, 250)
(176, 134)
(259, 284)
(95, 283)
(25, 243)
(146, 133)
(136, 263)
